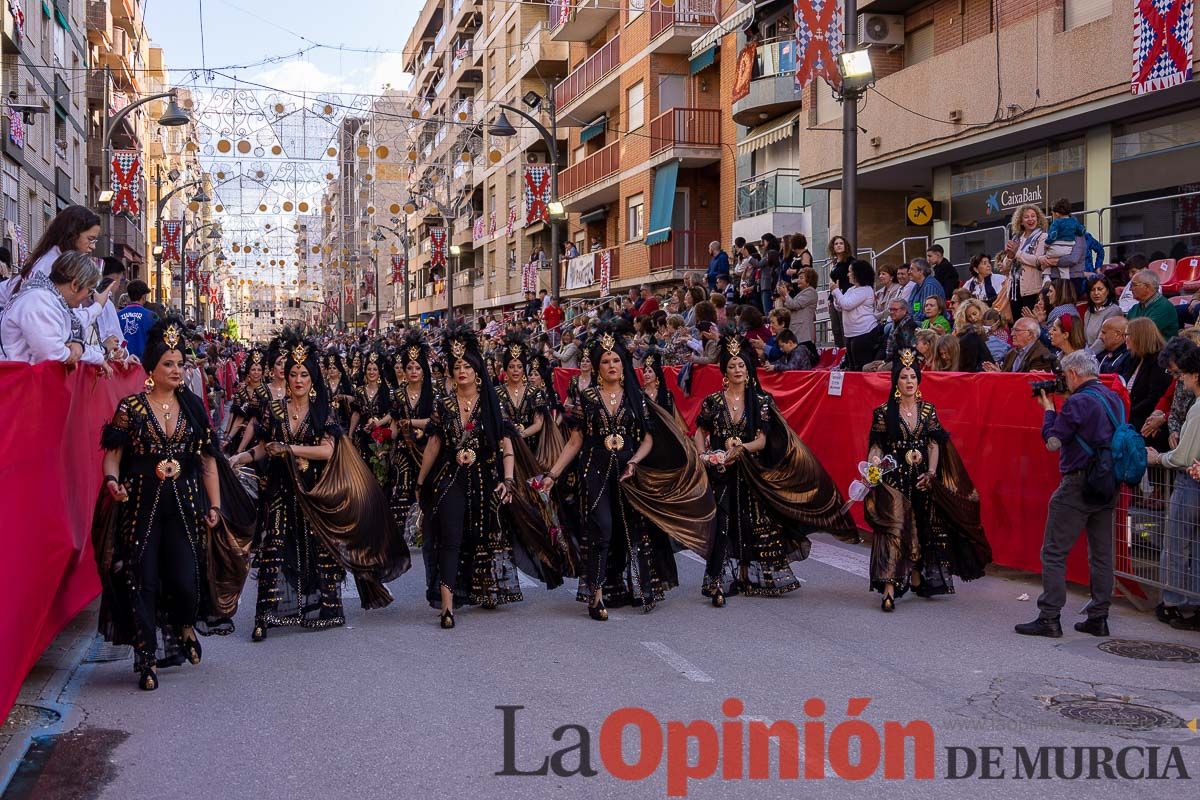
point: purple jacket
(1081, 416)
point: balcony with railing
(580, 20)
(691, 134)
(685, 250)
(776, 191)
(772, 85)
(575, 284)
(679, 23)
(594, 80)
(99, 23)
(583, 179)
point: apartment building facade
(981, 105)
(44, 129)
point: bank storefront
(1134, 184)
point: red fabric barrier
(992, 418)
(50, 473)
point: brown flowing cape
(550, 443)
(535, 551)
(349, 513)
(954, 506)
(798, 491)
(670, 487)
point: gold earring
(724, 383)
(478, 381)
(896, 394)
(918, 395)
(149, 384)
(312, 393)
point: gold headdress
(256, 358)
(171, 337)
(300, 353)
(458, 348)
(907, 358)
(649, 360)
(733, 346)
(414, 353)
(374, 358)
(608, 342)
(514, 351)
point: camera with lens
(1055, 385)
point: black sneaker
(1050, 628)
(1096, 626)
(1166, 613)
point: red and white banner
(368, 284)
(398, 268)
(605, 272)
(537, 194)
(492, 223)
(819, 40)
(529, 277)
(126, 181)
(512, 221)
(16, 126)
(191, 263)
(172, 235)
(437, 239)
(349, 299)
(478, 229)
(1162, 44)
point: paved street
(391, 706)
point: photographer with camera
(1081, 434)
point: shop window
(1081, 12)
(918, 45)
(635, 103)
(635, 218)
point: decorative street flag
(22, 245)
(191, 263)
(1162, 44)
(744, 72)
(529, 276)
(397, 268)
(18, 18)
(368, 284)
(206, 282)
(605, 272)
(512, 220)
(349, 301)
(478, 229)
(560, 12)
(16, 127)
(126, 178)
(492, 223)
(818, 41)
(537, 194)
(437, 238)
(172, 234)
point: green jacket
(1161, 312)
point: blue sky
(239, 32)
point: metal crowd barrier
(1158, 536)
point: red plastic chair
(1187, 271)
(1164, 268)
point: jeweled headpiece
(907, 358)
(171, 337)
(414, 354)
(458, 349)
(256, 358)
(374, 358)
(648, 360)
(514, 350)
(300, 353)
(608, 342)
(733, 346)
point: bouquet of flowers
(381, 450)
(872, 476)
(714, 458)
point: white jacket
(858, 309)
(36, 327)
(41, 267)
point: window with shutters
(918, 45)
(634, 218)
(1081, 12)
(636, 110)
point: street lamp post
(215, 234)
(404, 241)
(502, 127)
(174, 116)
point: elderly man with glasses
(1028, 354)
(1152, 305)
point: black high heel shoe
(718, 599)
(259, 633)
(447, 619)
(889, 603)
(598, 612)
(191, 650)
(148, 682)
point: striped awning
(775, 133)
(731, 23)
(594, 128)
(704, 60)
(662, 204)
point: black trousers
(451, 529)
(168, 578)
(860, 350)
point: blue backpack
(1127, 449)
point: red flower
(381, 434)
(470, 426)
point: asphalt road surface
(390, 706)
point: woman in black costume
(412, 406)
(473, 540)
(925, 510)
(341, 391)
(251, 397)
(153, 548)
(372, 402)
(325, 513)
(641, 484)
(523, 405)
(770, 490)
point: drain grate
(1116, 714)
(27, 716)
(101, 652)
(1152, 651)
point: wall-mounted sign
(922, 211)
(1010, 197)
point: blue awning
(705, 58)
(594, 128)
(662, 203)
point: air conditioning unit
(884, 29)
(535, 158)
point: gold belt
(166, 469)
(466, 456)
(614, 441)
